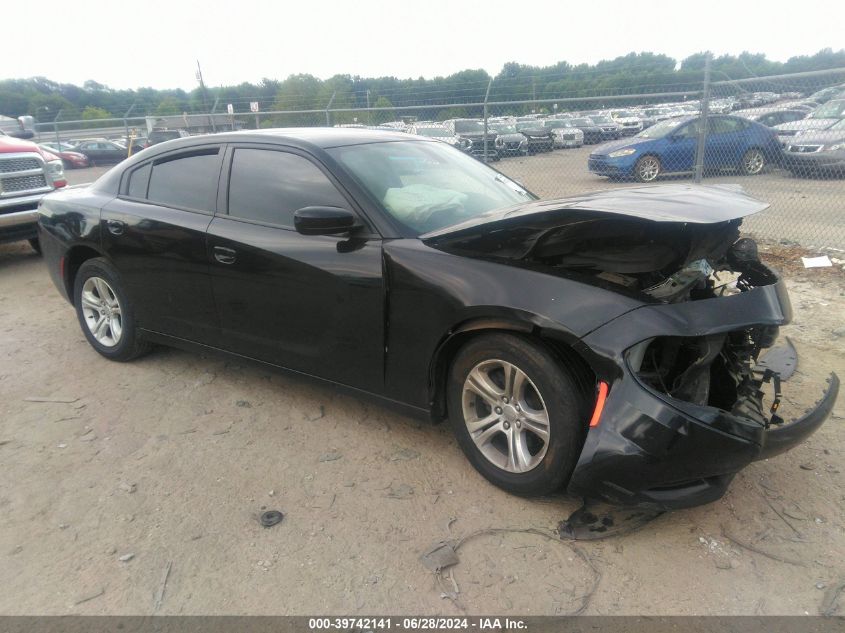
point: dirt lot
(138, 491)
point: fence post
(331, 101)
(126, 127)
(486, 98)
(213, 108)
(56, 127)
(702, 127)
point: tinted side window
(269, 186)
(138, 180)
(725, 126)
(186, 180)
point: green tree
(383, 116)
(92, 112)
(168, 106)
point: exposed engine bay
(666, 261)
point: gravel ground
(137, 489)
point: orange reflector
(600, 399)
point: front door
(314, 304)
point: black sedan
(581, 343)
(101, 151)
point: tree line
(635, 73)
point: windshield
(577, 122)
(433, 131)
(830, 110)
(528, 125)
(501, 128)
(470, 126)
(658, 130)
(427, 186)
(623, 114)
(601, 119)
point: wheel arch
(73, 260)
(559, 342)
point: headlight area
(56, 171)
(622, 152)
(717, 370)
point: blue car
(670, 146)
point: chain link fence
(780, 137)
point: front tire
(35, 244)
(105, 313)
(753, 162)
(647, 169)
(517, 414)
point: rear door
(726, 142)
(314, 304)
(154, 232)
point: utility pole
(331, 101)
(203, 91)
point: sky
(157, 44)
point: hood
(10, 144)
(658, 243)
(612, 146)
(539, 131)
(818, 137)
(510, 137)
(806, 124)
(679, 203)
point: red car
(70, 159)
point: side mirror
(324, 220)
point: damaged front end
(689, 402)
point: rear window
(187, 180)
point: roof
(322, 137)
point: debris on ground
(829, 606)
(314, 418)
(89, 597)
(439, 556)
(404, 455)
(270, 518)
(444, 555)
(402, 491)
(126, 558)
(54, 400)
(822, 261)
(127, 487)
(331, 456)
(162, 587)
(244, 404)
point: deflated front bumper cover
(653, 451)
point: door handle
(116, 227)
(224, 255)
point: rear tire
(753, 162)
(524, 438)
(105, 313)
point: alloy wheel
(648, 168)
(505, 416)
(753, 162)
(102, 312)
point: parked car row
(731, 142)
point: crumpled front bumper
(653, 451)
